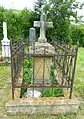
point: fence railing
(37, 67)
(17, 55)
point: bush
(52, 92)
(78, 35)
(28, 71)
(27, 74)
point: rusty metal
(40, 86)
(63, 61)
(16, 63)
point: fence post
(73, 74)
(12, 70)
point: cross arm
(49, 24)
(37, 23)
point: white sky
(20, 4)
(17, 4)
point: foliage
(27, 74)
(35, 17)
(59, 13)
(2, 11)
(77, 35)
(52, 92)
(38, 5)
(13, 25)
(28, 71)
(18, 23)
(52, 76)
(26, 23)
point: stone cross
(32, 35)
(43, 25)
(5, 31)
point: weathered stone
(42, 24)
(41, 106)
(42, 48)
(5, 42)
(42, 64)
(32, 36)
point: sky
(17, 4)
(21, 4)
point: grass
(4, 88)
(79, 75)
(78, 90)
(4, 74)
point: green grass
(4, 74)
(79, 75)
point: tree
(25, 22)
(13, 25)
(18, 23)
(2, 18)
(38, 5)
(59, 13)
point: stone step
(42, 106)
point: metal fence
(58, 67)
(17, 59)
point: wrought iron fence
(51, 67)
(17, 55)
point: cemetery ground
(5, 91)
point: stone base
(42, 40)
(42, 106)
(6, 48)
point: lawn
(79, 75)
(5, 89)
(4, 74)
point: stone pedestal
(5, 48)
(42, 69)
(42, 64)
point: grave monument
(32, 36)
(42, 47)
(5, 42)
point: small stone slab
(32, 36)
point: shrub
(78, 35)
(52, 92)
(28, 71)
(27, 74)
